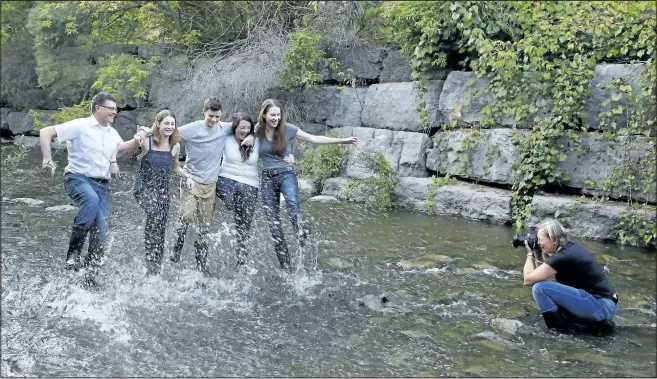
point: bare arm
(323, 140)
(176, 162)
(531, 274)
(45, 137)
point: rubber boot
(302, 230)
(152, 267)
(73, 261)
(282, 254)
(177, 248)
(202, 257)
(241, 255)
(556, 321)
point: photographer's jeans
(551, 295)
(93, 200)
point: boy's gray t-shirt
(272, 160)
(204, 147)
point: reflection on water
(376, 294)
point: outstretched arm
(324, 140)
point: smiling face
(273, 116)
(242, 130)
(167, 126)
(105, 113)
(211, 117)
(547, 245)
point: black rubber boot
(202, 257)
(73, 261)
(556, 321)
(241, 255)
(152, 265)
(177, 248)
(302, 229)
(282, 254)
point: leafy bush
(322, 162)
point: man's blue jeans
(275, 182)
(552, 295)
(93, 200)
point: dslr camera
(531, 238)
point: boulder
(605, 74)
(334, 106)
(115, 48)
(405, 151)
(394, 106)
(596, 158)
(125, 122)
(457, 84)
(4, 112)
(507, 325)
(588, 163)
(489, 159)
(158, 50)
(395, 68)
(581, 217)
(323, 199)
(22, 122)
(362, 62)
(471, 201)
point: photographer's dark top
(577, 268)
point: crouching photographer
(581, 295)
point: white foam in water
(302, 282)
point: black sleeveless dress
(152, 182)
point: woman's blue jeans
(550, 296)
(275, 182)
(92, 198)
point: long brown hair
(279, 143)
(174, 138)
(245, 151)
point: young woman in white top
(238, 181)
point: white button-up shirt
(90, 146)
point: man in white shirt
(92, 145)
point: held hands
(248, 141)
(289, 159)
(50, 166)
(114, 170)
(350, 140)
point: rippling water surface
(375, 294)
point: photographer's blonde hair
(553, 228)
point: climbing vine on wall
(538, 59)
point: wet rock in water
(483, 266)
(339, 263)
(427, 261)
(61, 208)
(508, 325)
(386, 303)
(324, 199)
(415, 333)
(604, 259)
(465, 271)
(24, 200)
